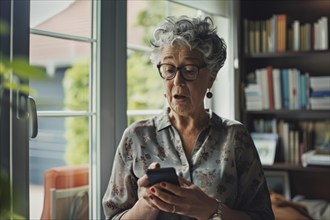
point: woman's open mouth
(180, 97)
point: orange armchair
(64, 178)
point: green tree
(76, 90)
(144, 85)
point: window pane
(64, 16)
(142, 17)
(67, 64)
(144, 85)
(61, 144)
(178, 10)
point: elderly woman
(220, 174)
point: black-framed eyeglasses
(189, 72)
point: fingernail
(157, 165)
(152, 190)
(163, 184)
(150, 197)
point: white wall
(223, 87)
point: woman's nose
(178, 79)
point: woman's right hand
(143, 184)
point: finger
(148, 200)
(154, 165)
(160, 204)
(170, 188)
(143, 181)
(184, 182)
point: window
(62, 42)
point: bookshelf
(268, 40)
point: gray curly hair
(196, 33)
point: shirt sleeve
(121, 193)
(253, 194)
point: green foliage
(76, 89)
(4, 29)
(5, 198)
(144, 85)
(149, 18)
(19, 67)
(76, 86)
(77, 150)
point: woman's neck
(189, 123)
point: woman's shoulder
(152, 123)
(140, 124)
(225, 122)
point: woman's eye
(189, 70)
(170, 70)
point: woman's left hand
(186, 199)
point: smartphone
(166, 174)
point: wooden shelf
(292, 114)
(288, 54)
(297, 167)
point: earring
(209, 94)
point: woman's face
(186, 97)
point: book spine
(269, 70)
(296, 35)
(265, 88)
(277, 89)
(285, 88)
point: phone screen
(166, 174)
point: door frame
(14, 150)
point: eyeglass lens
(168, 71)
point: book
(285, 140)
(320, 83)
(261, 76)
(270, 86)
(323, 33)
(277, 88)
(246, 36)
(292, 89)
(253, 96)
(273, 34)
(257, 35)
(281, 32)
(251, 37)
(296, 35)
(266, 144)
(285, 88)
(296, 73)
(303, 89)
(264, 37)
(312, 158)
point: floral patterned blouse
(224, 164)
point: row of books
(294, 139)
(276, 35)
(273, 89)
(320, 92)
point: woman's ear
(211, 81)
